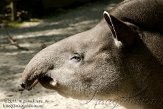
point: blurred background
(26, 27)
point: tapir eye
(76, 57)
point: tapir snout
(73, 60)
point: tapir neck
(144, 68)
(153, 42)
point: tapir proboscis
(121, 57)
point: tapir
(120, 59)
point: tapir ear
(121, 31)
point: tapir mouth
(45, 80)
(37, 74)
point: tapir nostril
(29, 86)
(23, 85)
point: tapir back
(147, 14)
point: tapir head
(85, 65)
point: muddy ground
(33, 36)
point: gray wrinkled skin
(121, 57)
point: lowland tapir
(121, 58)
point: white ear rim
(112, 25)
(117, 43)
